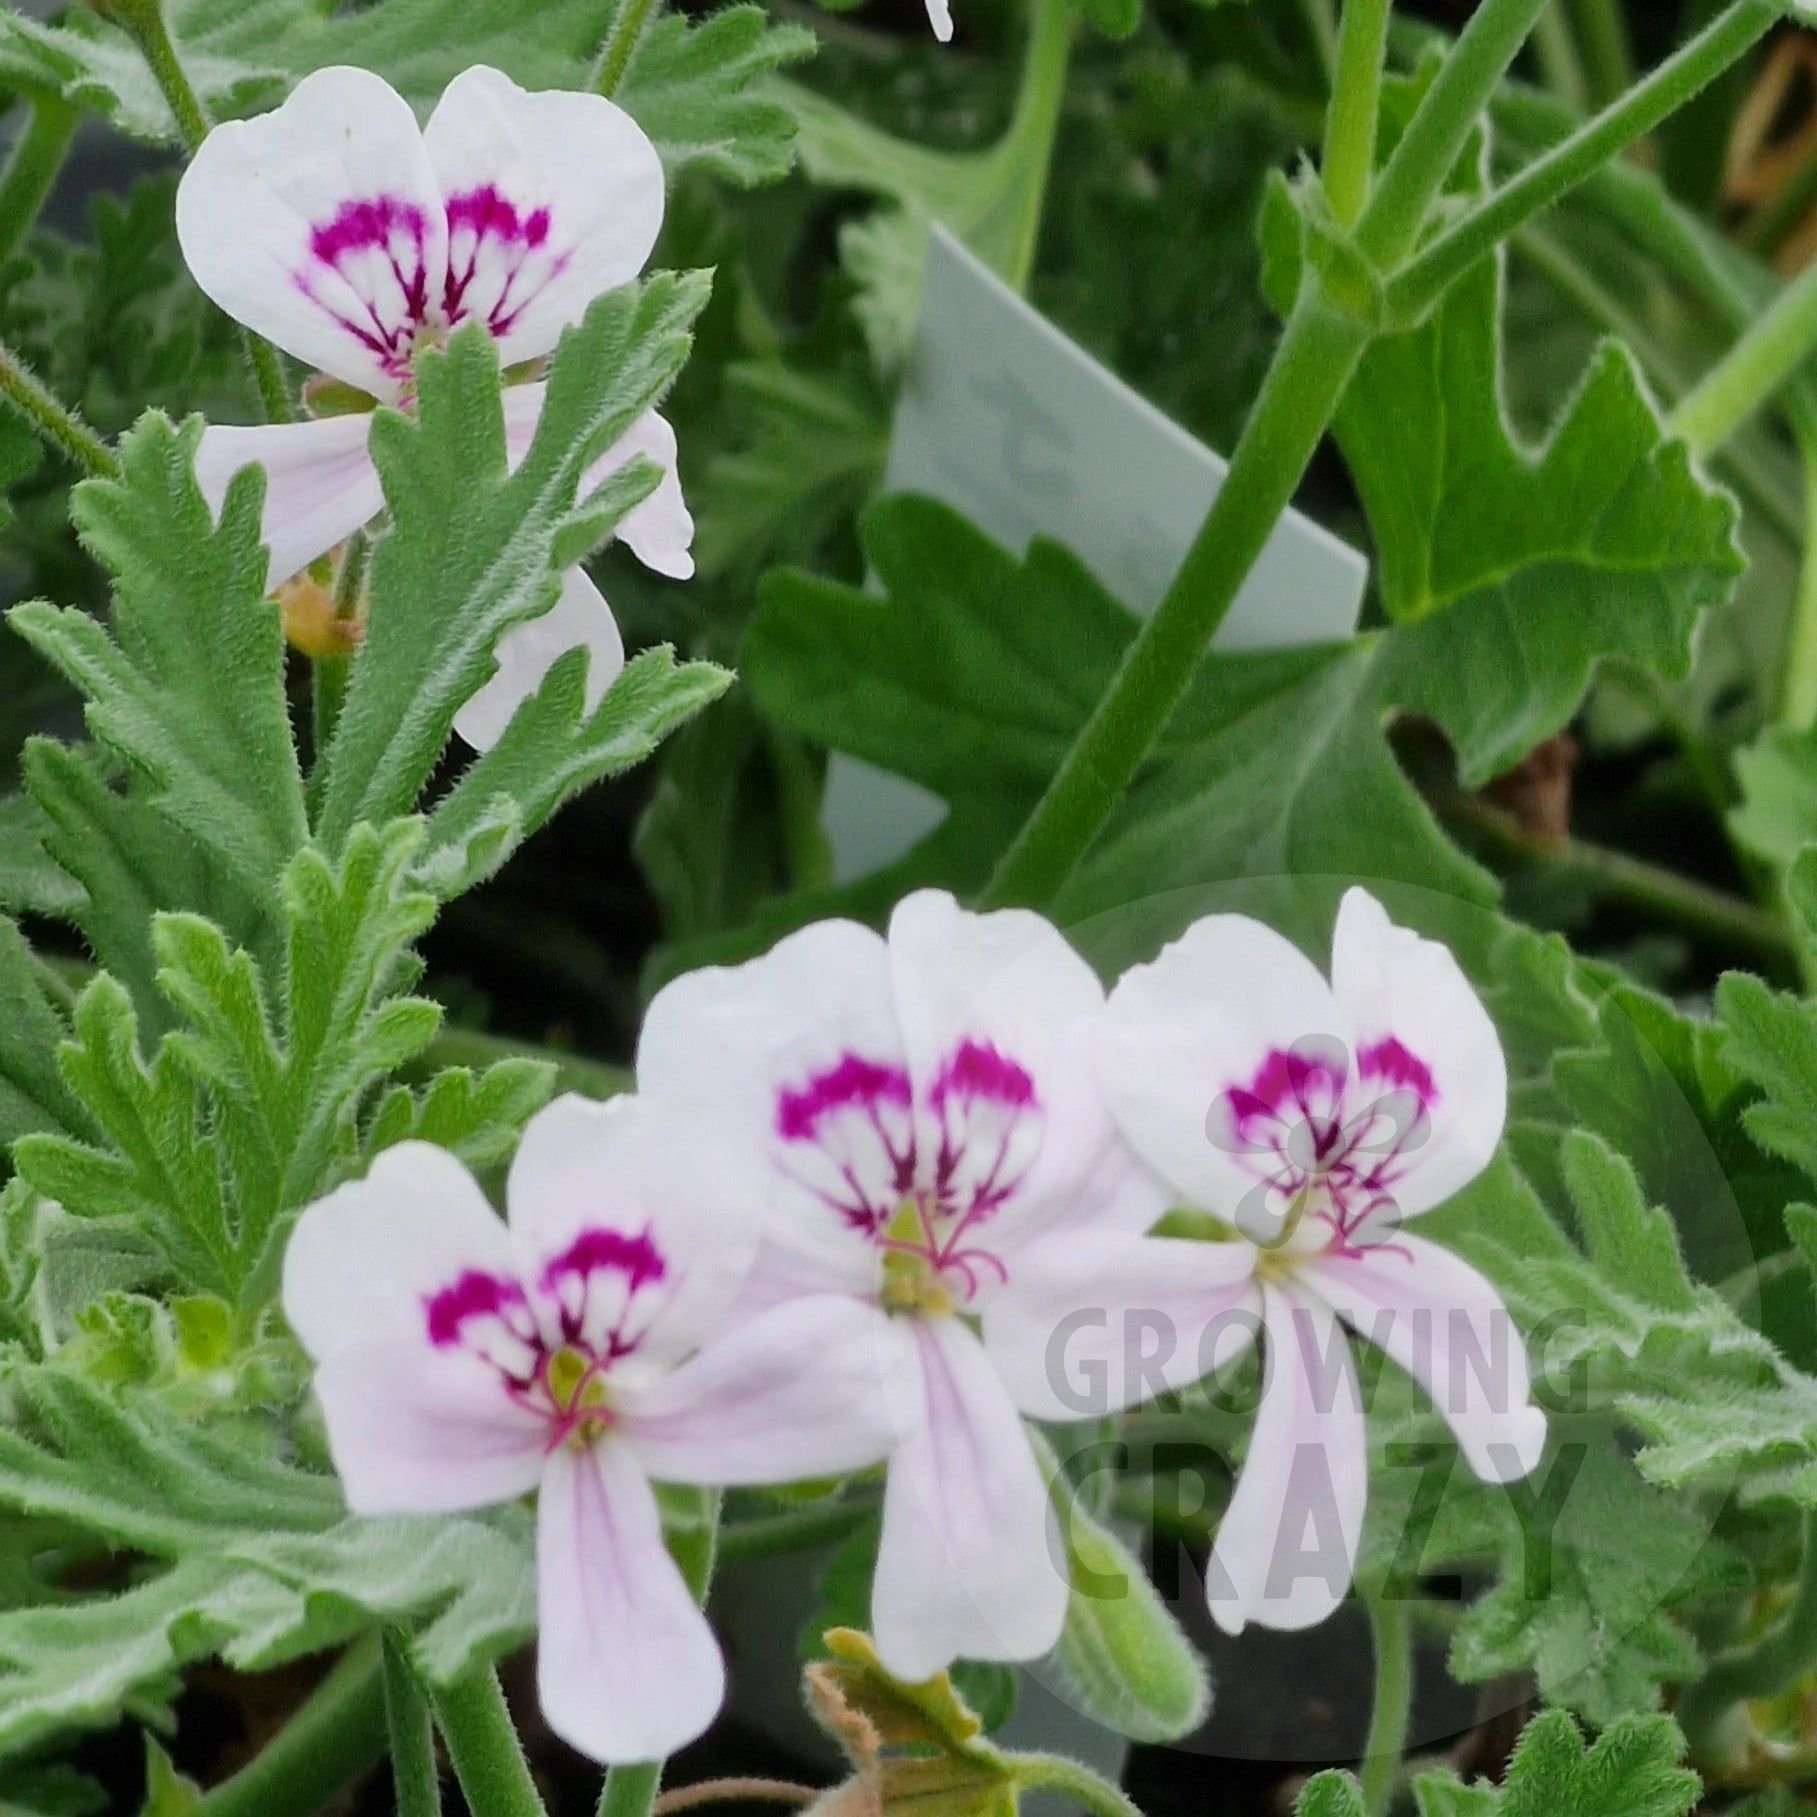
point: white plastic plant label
(1004, 418)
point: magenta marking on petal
(978, 1070)
(599, 1250)
(1391, 1061)
(472, 1295)
(852, 1081)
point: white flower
(1315, 1117)
(337, 228)
(935, 1144)
(462, 1361)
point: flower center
(577, 1392)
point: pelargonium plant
(1263, 1262)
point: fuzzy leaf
(471, 547)
(477, 1116)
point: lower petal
(320, 483)
(797, 1393)
(1443, 1322)
(627, 1668)
(580, 618)
(417, 1431)
(1089, 1324)
(971, 1564)
(1286, 1548)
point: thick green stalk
(33, 167)
(483, 1745)
(1608, 55)
(1312, 366)
(620, 45)
(1441, 126)
(1778, 1658)
(1555, 173)
(795, 1531)
(1390, 1630)
(630, 1791)
(1798, 689)
(337, 1733)
(1356, 97)
(1555, 45)
(1771, 351)
(413, 1771)
(51, 420)
(1055, 1773)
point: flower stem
(483, 1745)
(336, 1735)
(1778, 1658)
(1752, 371)
(768, 1536)
(412, 1739)
(144, 19)
(33, 167)
(1312, 365)
(732, 1791)
(1555, 173)
(1798, 695)
(1556, 46)
(51, 420)
(620, 45)
(1390, 1630)
(1055, 1773)
(1608, 56)
(630, 1791)
(1356, 98)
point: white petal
(1286, 1547)
(420, 1431)
(940, 17)
(1402, 995)
(580, 618)
(1446, 1326)
(363, 1261)
(320, 483)
(319, 226)
(660, 530)
(1091, 1323)
(800, 1051)
(627, 1668)
(553, 199)
(1194, 1024)
(682, 1203)
(796, 1393)
(970, 1564)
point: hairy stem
(620, 45)
(1055, 1773)
(796, 1531)
(51, 420)
(1356, 97)
(1608, 55)
(732, 1791)
(1391, 1632)
(33, 167)
(1555, 45)
(1576, 158)
(1752, 371)
(1798, 696)
(483, 1745)
(336, 1735)
(413, 1771)
(1312, 365)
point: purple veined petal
(579, 619)
(320, 483)
(1091, 1323)
(553, 199)
(1446, 1325)
(1287, 1545)
(800, 1052)
(320, 226)
(796, 1393)
(1416, 1025)
(416, 1430)
(635, 1227)
(365, 1263)
(627, 1668)
(970, 1564)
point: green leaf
(33, 1093)
(186, 684)
(1511, 571)
(1330, 1795)
(477, 1116)
(31, 880)
(471, 548)
(697, 89)
(1777, 818)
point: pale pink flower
(576, 1350)
(338, 229)
(935, 1144)
(1314, 1117)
